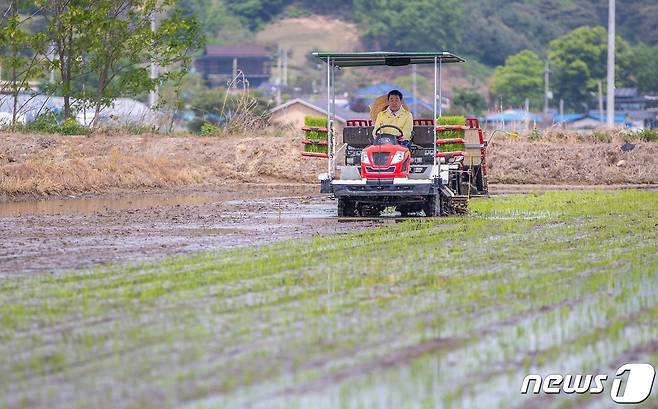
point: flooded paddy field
(56, 235)
(443, 313)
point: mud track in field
(56, 235)
(62, 234)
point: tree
(20, 49)
(521, 77)
(645, 67)
(120, 42)
(469, 101)
(578, 61)
(409, 25)
(65, 30)
(106, 45)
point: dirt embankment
(44, 165)
(520, 161)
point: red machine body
(385, 162)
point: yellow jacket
(402, 119)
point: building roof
(619, 118)
(237, 50)
(626, 92)
(343, 113)
(512, 115)
(568, 117)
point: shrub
(48, 123)
(534, 135)
(208, 129)
(71, 127)
(240, 113)
(601, 136)
(648, 135)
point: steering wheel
(389, 126)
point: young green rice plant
(316, 148)
(316, 122)
(451, 120)
(251, 317)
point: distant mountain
(489, 30)
(495, 29)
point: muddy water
(56, 235)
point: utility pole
(600, 83)
(527, 114)
(52, 55)
(562, 111)
(546, 87)
(279, 63)
(414, 89)
(611, 64)
(153, 95)
(285, 68)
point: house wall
(294, 114)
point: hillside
(302, 35)
(489, 30)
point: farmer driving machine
(368, 170)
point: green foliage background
(489, 30)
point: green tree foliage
(636, 20)
(496, 29)
(255, 13)
(521, 77)
(120, 41)
(218, 25)
(578, 62)
(409, 25)
(469, 102)
(488, 30)
(107, 44)
(66, 31)
(19, 55)
(645, 67)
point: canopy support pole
(434, 120)
(329, 124)
(440, 87)
(332, 136)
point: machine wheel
(432, 207)
(365, 210)
(404, 210)
(346, 207)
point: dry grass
(61, 165)
(563, 157)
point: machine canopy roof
(391, 59)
